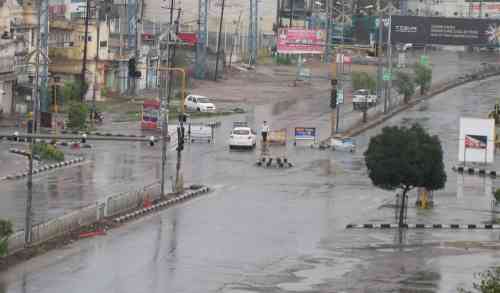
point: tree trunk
(422, 90)
(402, 209)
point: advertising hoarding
(477, 140)
(300, 41)
(305, 133)
(445, 30)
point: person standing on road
(264, 131)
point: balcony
(6, 65)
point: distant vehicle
(242, 137)
(362, 96)
(343, 144)
(197, 103)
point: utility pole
(389, 47)
(96, 71)
(201, 46)
(328, 39)
(236, 32)
(379, 51)
(291, 13)
(165, 102)
(342, 67)
(84, 59)
(218, 40)
(44, 48)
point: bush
(497, 195)
(6, 230)
(490, 282)
(363, 80)
(283, 60)
(47, 152)
(77, 115)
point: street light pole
(379, 50)
(341, 68)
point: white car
(197, 103)
(343, 143)
(242, 137)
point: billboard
(477, 140)
(305, 133)
(300, 41)
(445, 30)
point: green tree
(5, 231)
(404, 85)
(77, 115)
(423, 77)
(71, 90)
(405, 158)
(363, 80)
(489, 283)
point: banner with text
(445, 30)
(301, 41)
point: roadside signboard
(305, 133)
(476, 140)
(277, 136)
(150, 114)
(424, 60)
(300, 41)
(387, 75)
(340, 96)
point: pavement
(267, 230)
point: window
(203, 100)
(241, 132)
(103, 44)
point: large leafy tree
(405, 158)
(5, 231)
(363, 80)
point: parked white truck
(362, 96)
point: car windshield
(361, 92)
(348, 140)
(241, 131)
(203, 100)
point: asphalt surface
(268, 230)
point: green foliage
(6, 229)
(77, 115)
(423, 77)
(405, 158)
(497, 195)
(363, 80)
(404, 84)
(72, 90)
(489, 283)
(283, 60)
(48, 152)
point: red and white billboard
(301, 41)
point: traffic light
(333, 94)
(132, 70)
(333, 98)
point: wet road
(267, 230)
